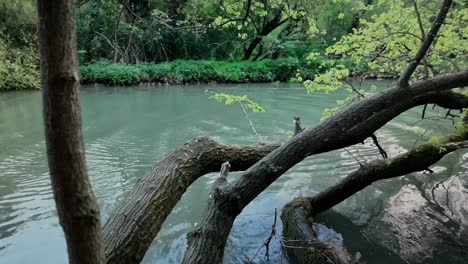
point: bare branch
(381, 150)
(242, 19)
(406, 75)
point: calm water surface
(408, 219)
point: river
(126, 129)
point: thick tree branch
(137, 219)
(418, 159)
(349, 126)
(406, 75)
(301, 243)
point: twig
(360, 164)
(250, 122)
(354, 89)
(381, 150)
(266, 243)
(451, 116)
(283, 240)
(416, 142)
(424, 111)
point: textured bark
(347, 127)
(298, 214)
(300, 241)
(417, 160)
(76, 205)
(136, 221)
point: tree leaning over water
(137, 219)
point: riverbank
(191, 72)
(187, 72)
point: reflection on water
(127, 129)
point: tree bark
(136, 221)
(347, 127)
(267, 29)
(298, 234)
(417, 160)
(76, 205)
(300, 241)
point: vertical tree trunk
(74, 198)
(248, 52)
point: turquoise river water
(418, 218)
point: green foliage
(328, 112)
(419, 133)
(149, 30)
(229, 99)
(18, 21)
(434, 140)
(328, 81)
(179, 72)
(19, 67)
(391, 36)
(330, 20)
(155, 30)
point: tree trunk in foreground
(299, 238)
(74, 198)
(136, 221)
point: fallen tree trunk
(417, 160)
(136, 221)
(347, 127)
(300, 241)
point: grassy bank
(180, 72)
(21, 74)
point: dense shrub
(19, 70)
(181, 71)
(19, 67)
